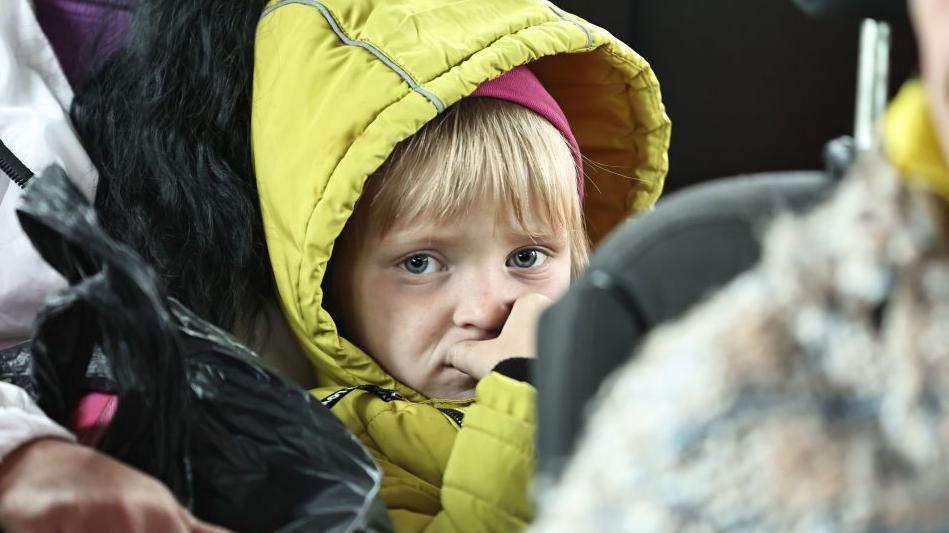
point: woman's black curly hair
(167, 122)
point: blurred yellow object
(912, 143)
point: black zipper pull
(454, 414)
(13, 167)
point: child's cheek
(409, 307)
(558, 282)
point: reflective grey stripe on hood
(436, 101)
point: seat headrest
(650, 270)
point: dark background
(750, 85)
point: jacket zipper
(455, 415)
(387, 395)
(13, 167)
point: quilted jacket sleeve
(486, 485)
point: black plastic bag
(237, 444)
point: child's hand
(518, 338)
(53, 485)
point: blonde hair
(479, 150)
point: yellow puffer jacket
(336, 85)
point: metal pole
(872, 80)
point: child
(414, 230)
(456, 227)
(476, 213)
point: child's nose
(485, 304)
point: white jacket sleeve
(34, 124)
(21, 420)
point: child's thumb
(470, 357)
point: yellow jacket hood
(337, 84)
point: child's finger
(517, 339)
(472, 357)
(531, 304)
(197, 526)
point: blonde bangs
(481, 152)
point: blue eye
(527, 258)
(419, 264)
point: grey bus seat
(650, 270)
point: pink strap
(93, 416)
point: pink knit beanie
(522, 87)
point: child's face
(418, 289)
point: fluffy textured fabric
(809, 395)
